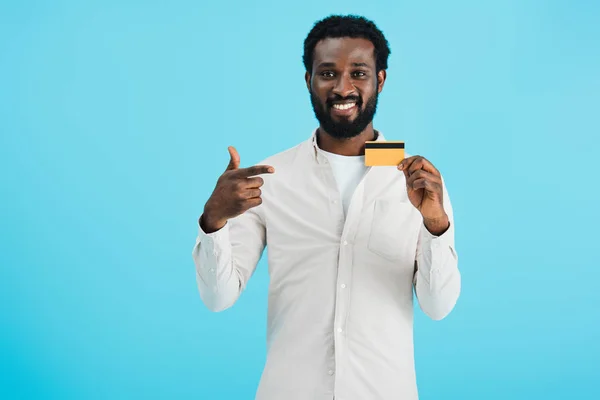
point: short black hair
(354, 26)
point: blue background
(115, 117)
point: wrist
(209, 224)
(437, 226)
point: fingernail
(271, 170)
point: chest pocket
(393, 227)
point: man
(347, 243)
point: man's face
(344, 85)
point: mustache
(337, 99)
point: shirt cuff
(428, 237)
(220, 236)
(434, 249)
(214, 251)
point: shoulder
(288, 158)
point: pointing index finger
(255, 170)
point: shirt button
(212, 270)
(339, 330)
(345, 243)
(330, 372)
(334, 201)
(343, 286)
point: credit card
(380, 153)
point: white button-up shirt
(340, 305)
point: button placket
(334, 196)
(344, 278)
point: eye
(327, 74)
(359, 74)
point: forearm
(437, 277)
(226, 258)
(218, 281)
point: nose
(343, 86)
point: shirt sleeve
(437, 279)
(226, 259)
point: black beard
(344, 130)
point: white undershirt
(348, 171)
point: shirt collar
(318, 153)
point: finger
(252, 183)
(424, 164)
(415, 166)
(251, 193)
(234, 159)
(427, 184)
(255, 170)
(421, 174)
(404, 164)
(410, 165)
(250, 203)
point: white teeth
(343, 106)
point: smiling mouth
(345, 106)
(345, 110)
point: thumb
(234, 161)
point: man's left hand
(425, 192)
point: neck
(354, 146)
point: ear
(307, 79)
(381, 76)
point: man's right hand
(237, 190)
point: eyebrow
(331, 65)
